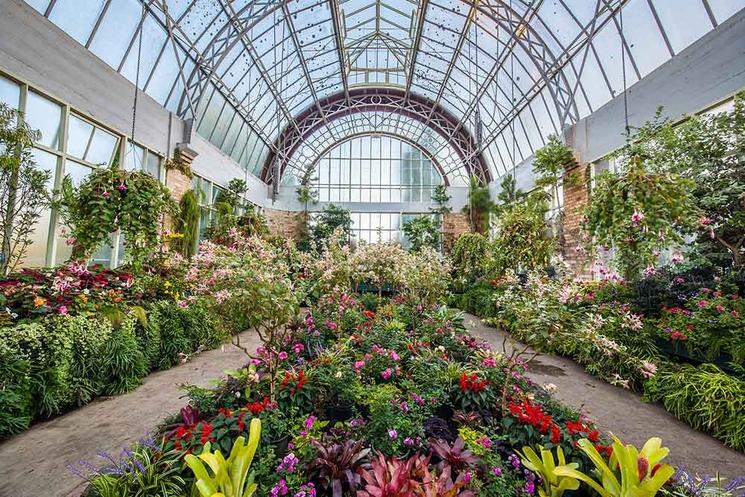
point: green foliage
(551, 161)
(187, 224)
(441, 198)
(710, 150)
(639, 212)
(422, 231)
(329, 220)
(545, 466)
(141, 472)
(231, 477)
(111, 199)
(123, 363)
(523, 239)
(23, 189)
(705, 398)
(15, 391)
(629, 473)
(479, 206)
(471, 256)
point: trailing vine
(111, 200)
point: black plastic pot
(280, 446)
(342, 410)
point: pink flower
(70, 241)
(408, 441)
(720, 308)
(467, 476)
(395, 356)
(105, 194)
(282, 355)
(417, 399)
(392, 434)
(122, 187)
(485, 442)
(182, 304)
(704, 221)
(386, 374)
(734, 313)
(359, 364)
(62, 310)
(489, 362)
(496, 471)
(677, 258)
(298, 348)
(636, 218)
(650, 271)
(703, 303)
(308, 423)
(404, 406)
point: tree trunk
(8, 220)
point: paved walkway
(33, 464)
(622, 412)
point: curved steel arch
(370, 100)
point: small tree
(328, 221)
(523, 239)
(422, 231)
(23, 189)
(479, 206)
(187, 224)
(710, 150)
(306, 195)
(441, 197)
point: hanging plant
(109, 200)
(638, 213)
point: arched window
(375, 168)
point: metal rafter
(421, 18)
(336, 18)
(374, 99)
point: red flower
(206, 433)
(472, 383)
(257, 407)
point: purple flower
(122, 187)
(308, 423)
(359, 364)
(105, 194)
(496, 471)
(392, 434)
(467, 477)
(408, 441)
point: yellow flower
(39, 301)
(83, 298)
(167, 284)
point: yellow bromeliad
(554, 485)
(228, 478)
(634, 473)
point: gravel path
(33, 464)
(620, 411)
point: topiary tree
(472, 257)
(639, 212)
(23, 189)
(187, 224)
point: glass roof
(512, 71)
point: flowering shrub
(709, 325)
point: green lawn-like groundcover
(381, 399)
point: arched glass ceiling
(381, 123)
(524, 68)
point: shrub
(705, 397)
(15, 391)
(123, 363)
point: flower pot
(280, 446)
(340, 411)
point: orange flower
(39, 301)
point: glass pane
(684, 21)
(76, 17)
(77, 172)
(44, 115)
(39, 5)
(116, 30)
(153, 164)
(10, 92)
(78, 136)
(102, 147)
(135, 160)
(37, 251)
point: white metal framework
(509, 72)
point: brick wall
(575, 200)
(284, 223)
(454, 224)
(178, 183)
